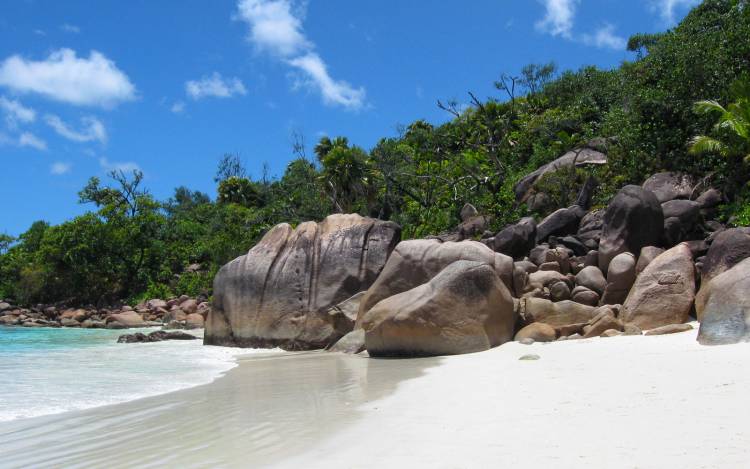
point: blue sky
(168, 86)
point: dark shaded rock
(633, 219)
(465, 308)
(673, 232)
(561, 222)
(570, 329)
(279, 293)
(698, 247)
(669, 186)
(710, 198)
(648, 254)
(687, 211)
(585, 296)
(156, 336)
(572, 243)
(517, 240)
(591, 226)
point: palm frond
(707, 106)
(704, 144)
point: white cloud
(333, 92)
(15, 112)
(60, 168)
(275, 27)
(124, 166)
(605, 38)
(70, 28)
(27, 139)
(214, 86)
(39, 32)
(668, 8)
(92, 129)
(178, 107)
(559, 16)
(62, 76)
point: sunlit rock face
(282, 293)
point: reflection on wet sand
(268, 408)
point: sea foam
(48, 371)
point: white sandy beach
(630, 402)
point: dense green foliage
(132, 246)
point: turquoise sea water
(47, 371)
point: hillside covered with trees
(682, 103)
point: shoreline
(267, 408)
(85, 369)
(629, 401)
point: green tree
(732, 127)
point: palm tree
(732, 129)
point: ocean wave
(50, 371)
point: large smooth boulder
(686, 210)
(726, 313)
(351, 343)
(620, 277)
(592, 278)
(633, 219)
(603, 320)
(648, 254)
(279, 293)
(590, 228)
(516, 240)
(538, 332)
(561, 222)
(416, 262)
(664, 292)
(669, 186)
(465, 308)
(124, 319)
(562, 313)
(589, 155)
(729, 248)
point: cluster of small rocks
(638, 264)
(175, 313)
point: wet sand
(622, 402)
(265, 410)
